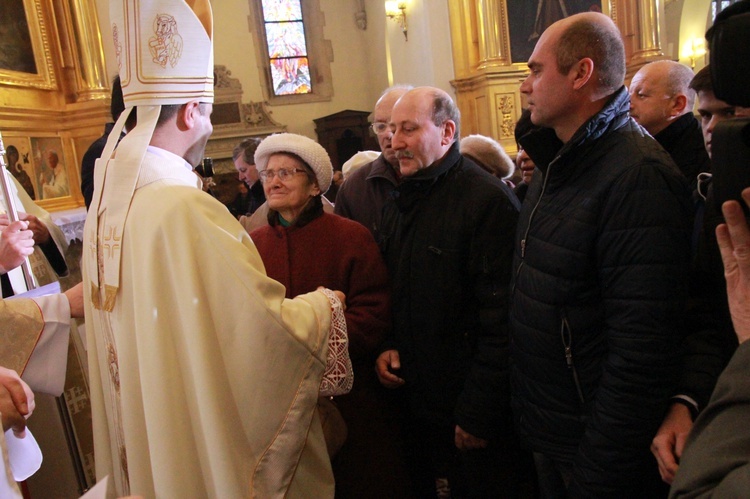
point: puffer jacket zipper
(528, 225)
(567, 340)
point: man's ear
(582, 71)
(679, 102)
(187, 115)
(448, 132)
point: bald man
(601, 253)
(447, 239)
(661, 101)
(362, 196)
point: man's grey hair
(678, 81)
(444, 109)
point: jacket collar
(543, 146)
(382, 169)
(670, 135)
(417, 186)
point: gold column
(91, 75)
(639, 22)
(649, 39)
(493, 33)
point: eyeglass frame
(288, 174)
(379, 124)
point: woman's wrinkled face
(291, 194)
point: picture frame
(527, 20)
(46, 167)
(25, 57)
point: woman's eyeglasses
(284, 174)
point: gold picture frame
(54, 183)
(25, 54)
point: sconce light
(694, 48)
(397, 12)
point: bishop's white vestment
(204, 379)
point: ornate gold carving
(45, 76)
(505, 107)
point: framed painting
(25, 58)
(51, 177)
(18, 162)
(529, 19)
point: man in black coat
(600, 261)
(662, 103)
(711, 339)
(447, 237)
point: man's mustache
(404, 155)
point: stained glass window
(287, 50)
(719, 5)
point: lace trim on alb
(338, 377)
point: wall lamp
(693, 49)
(397, 12)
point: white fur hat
(357, 161)
(310, 151)
(488, 154)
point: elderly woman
(303, 248)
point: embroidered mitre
(164, 51)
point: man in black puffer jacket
(600, 270)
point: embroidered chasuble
(22, 326)
(204, 378)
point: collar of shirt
(158, 151)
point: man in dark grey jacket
(600, 261)
(362, 196)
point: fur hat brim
(312, 153)
(489, 153)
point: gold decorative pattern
(505, 108)
(45, 75)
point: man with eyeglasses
(362, 196)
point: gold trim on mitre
(164, 50)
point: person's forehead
(411, 107)
(544, 48)
(241, 163)
(385, 104)
(707, 100)
(284, 159)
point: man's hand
(75, 299)
(669, 441)
(734, 243)
(16, 243)
(16, 401)
(467, 441)
(387, 363)
(41, 232)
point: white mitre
(164, 54)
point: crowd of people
(434, 331)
